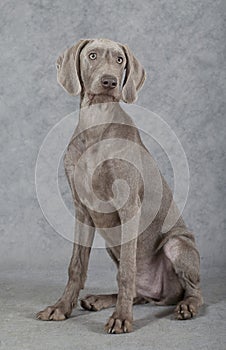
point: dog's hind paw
(187, 308)
(98, 302)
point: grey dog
(154, 263)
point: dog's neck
(97, 113)
(100, 109)
(91, 99)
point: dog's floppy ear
(134, 79)
(68, 71)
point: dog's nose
(109, 82)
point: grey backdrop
(181, 45)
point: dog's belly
(157, 280)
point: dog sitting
(104, 153)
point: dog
(154, 263)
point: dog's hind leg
(181, 251)
(104, 301)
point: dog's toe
(118, 325)
(58, 312)
(98, 302)
(91, 303)
(51, 314)
(186, 309)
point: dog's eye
(119, 60)
(92, 55)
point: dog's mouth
(103, 97)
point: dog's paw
(118, 325)
(91, 303)
(57, 312)
(98, 302)
(186, 309)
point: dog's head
(100, 67)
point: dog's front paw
(58, 312)
(117, 324)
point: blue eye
(119, 60)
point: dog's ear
(68, 71)
(134, 78)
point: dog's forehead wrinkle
(104, 45)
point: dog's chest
(91, 176)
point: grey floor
(24, 293)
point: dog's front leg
(122, 318)
(84, 235)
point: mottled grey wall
(180, 43)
